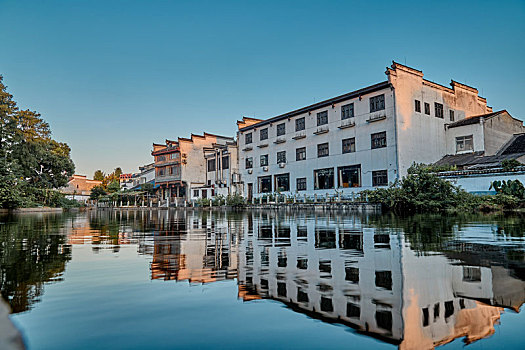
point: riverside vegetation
(32, 164)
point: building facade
(79, 188)
(181, 166)
(366, 138)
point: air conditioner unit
(282, 165)
(250, 171)
(265, 168)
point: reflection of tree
(32, 252)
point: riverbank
(32, 210)
(341, 206)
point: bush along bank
(423, 191)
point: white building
(181, 167)
(368, 137)
(222, 173)
(146, 175)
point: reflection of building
(371, 280)
(193, 248)
(79, 187)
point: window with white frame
(281, 129)
(281, 157)
(263, 134)
(248, 138)
(300, 124)
(464, 143)
(322, 118)
(264, 160)
(249, 163)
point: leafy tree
(97, 192)
(99, 175)
(113, 187)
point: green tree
(113, 187)
(99, 175)
(97, 192)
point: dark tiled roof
(476, 159)
(516, 145)
(353, 94)
(474, 119)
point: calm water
(170, 279)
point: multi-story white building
(146, 175)
(368, 137)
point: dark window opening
(300, 124)
(347, 111)
(264, 160)
(281, 157)
(379, 178)
(322, 150)
(301, 184)
(326, 305)
(325, 239)
(282, 182)
(418, 106)
(211, 164)
(449, 309)
(384, 320)
(265, 184)
(384, 279)
(352, 274)
(427, 108)
(249, 163)
(248, 138)
(353, 311)
(302, 263)
(378, 140)
(348, 145)
(302, 297)
(281, 129)
(300, 153)
(377, 103)
(425, 317)
(324, 179)
(281, 289)
(263, 134)
(438, 110)
(349, 176)
(322, 118)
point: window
(347, 111)
(418, 106)
(195, 193)
(281, 129)
(225, 162)
(281, 289)
(301, 184)
(378, 140)
(263, 134)
(211, 165)
(324, 179)
(174, 156)
(352, 274)
(248, 138)
(384, 279)
(452, 115)
(299, 124)
(438, 109)
(427, 108)
(349, 176)
(161, 172)
(384, 319)
(302, 263)
(471, 274)
(282, 182)
(322, 118)
(349, 145)
(379, 178)
(327, 305)
(249, 163)
(264, 160)
(425, 317)
(204, 194)
(377, 103)
(161, 158)
(464, 143)
(281, 157)
(302, 296)
(449, 308)
(265, 184)
(322, 150)
(353, 310)
(300, 153)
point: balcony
(299, 135)
(347, 123)
(321, 130)
(280, 140)
(247, 148)
(376, 118)
(262, 145)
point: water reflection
(416, 282)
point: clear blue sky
(111, 77)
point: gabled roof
(515, 145)
(475, 119)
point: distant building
(146, 175)
(477, 169)
(79, 187)
(181, 166)
(368, 137)
(126, 181)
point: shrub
(235, 200)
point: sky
(112, 77)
